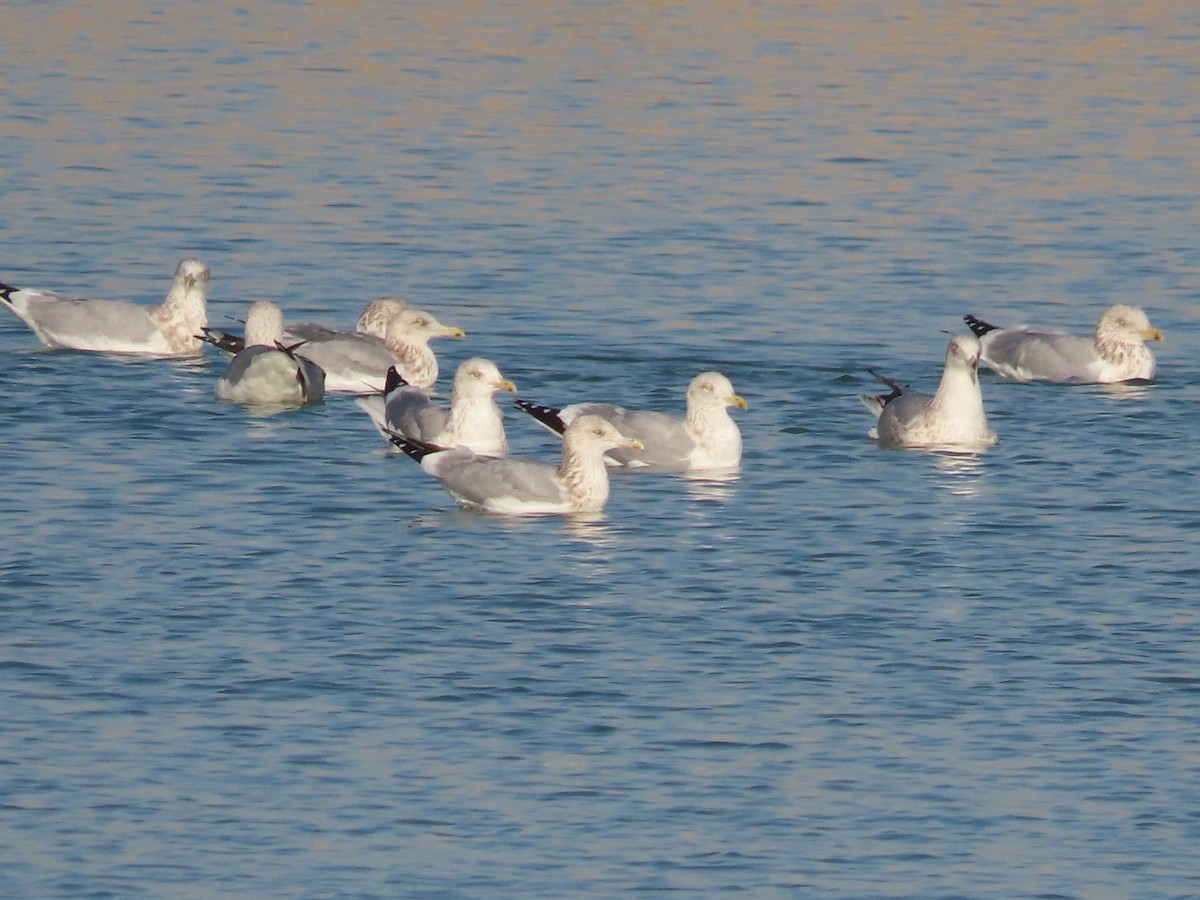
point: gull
(472, 421)
(357, 363)
(1117, 351)
(952, 418)
(705, 438)
(266, 372)
(372, 322)
(116, 326)
(524, 487)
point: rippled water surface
(259, 656)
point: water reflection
(961, 473)
(712, 484)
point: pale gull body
(116, 326)
(951, 418)
(266, 372)
(358, 364)
(473, 419)
(349, 358)
(706, 437)
(516, 486)
(1116, 352)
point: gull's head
(264, 324)
(377, 314)
(481, 378)
(1128, 323)
(190, 272)
(411, 325)
(601, 434)
(963, 350)
(713, 389)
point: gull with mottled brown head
(951, 418)
(117, 326)
(473, 420)
(706, 437)
(525, 487)
(1116, 352)
(267, 372)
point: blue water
(259, 656)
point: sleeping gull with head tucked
(1116, 352)
(116, 326)
(524, 487)
(266, 372)
(951, 418)
(705, 438)
(473, 420)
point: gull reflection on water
(712, 484)
(961, 472)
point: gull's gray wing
(356, 363)
(902, 415)
(86, 324)
(665, 438)
(1030, 355)
(410, 412)
(506, 483)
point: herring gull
(526, 487)
(266, 372)
(117, 326)
(705, 438)
(372, 322)
(472, 421)
(1116, 352)
(952, 418)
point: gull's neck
(418, 364)
(477, 422)
(584, 476)
(181, 316)
(714, 431)
(1124, 352)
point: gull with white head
(950, 418)
(525, 487)
(1116, 352)
(473, 420)
(266, 372)
(706, 437)
(117, 326)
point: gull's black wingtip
(223, 340)
(897, 388)
(393, 381)
(547, 415)
(6, 292)
(411, 447)
(978, 327)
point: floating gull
(372, 323)
(115, 326)
(705, 438)
(266, 372)
(515, 486)
(472, 421)
(357, 363)
(1117, 351)
(952, 418)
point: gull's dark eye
(709, 388)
